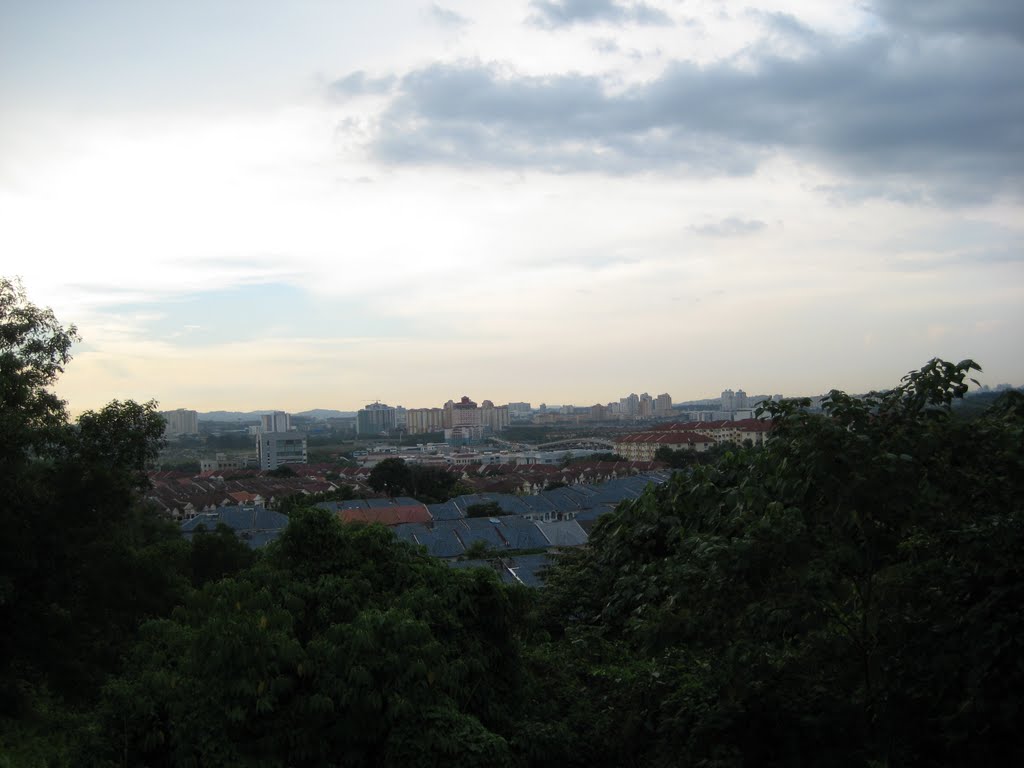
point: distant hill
(326, 413)
(254, 416)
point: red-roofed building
(395, 515)
(755, 430)
(641, 446)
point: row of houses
(696, 436)
(182, 496)
(547, 522)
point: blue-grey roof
(256, 526)
(445, 511)
(528, 569)
(450, 538)
(439, 539)
(564, 500)
(451, 532)
(538, 503)
(521, 569)
(586, 491)
(563, 533)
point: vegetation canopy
(849, 594)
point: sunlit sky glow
(253, 205)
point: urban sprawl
(541, 494)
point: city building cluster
(462, 422)
(278, 442)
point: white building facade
(276, 448)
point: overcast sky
(247, 205)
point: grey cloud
(788, 28)
(469, 115)
(730, 227)
(955, 17)
(641, 13)
(553, 14)
(873, 107)
(358, 83)
(858, 192)
(447, 17)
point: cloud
(466, 114)
(730, 227)
(358, 83)
(447, 17)
(555, 14)
(995, 18)
(877, 107)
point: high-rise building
(645, 409)
(494, 417)
(464, 413)
(180, 422)
(519, 411)
(663, 405)
(278, 421)
(419, 421)
(728, 400)
(741, 400)
(375, 419)
(629, 407)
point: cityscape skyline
(326, 204)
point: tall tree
(80, 562)
(847, 595)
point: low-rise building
(641, 446)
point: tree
(81, 560)
(342, 647)
(34, 348)
(128, 435)
(218, 554)
(391, 476)
(395, 477)
(847, 595)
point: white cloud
(508, 275)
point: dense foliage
(343, 647)
(850, 594)
(430, 485)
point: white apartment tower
(728, 400)
(180, 422)
(278, 421)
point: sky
(322, 203)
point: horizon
(546, 200)
(984, 388)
